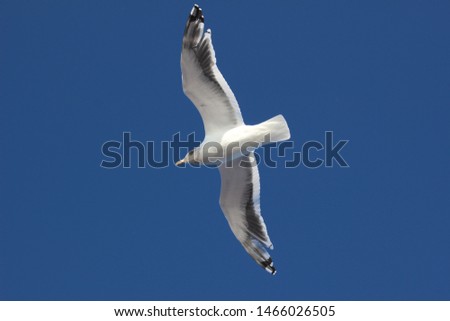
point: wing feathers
(202, 81)
(239, 200)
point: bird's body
(229, 142)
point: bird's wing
(202, 81)
(239, 200)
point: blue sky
(76, 74)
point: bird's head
(193, 158)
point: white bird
(224, 128)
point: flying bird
(224, 128)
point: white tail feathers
(277, 127)
(271, 131)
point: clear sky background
(76, 74)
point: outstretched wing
(239, 200)
(202, 81)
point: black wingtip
(269, 267)
(196, 14)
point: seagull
(224, 127)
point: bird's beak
(181, 161)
